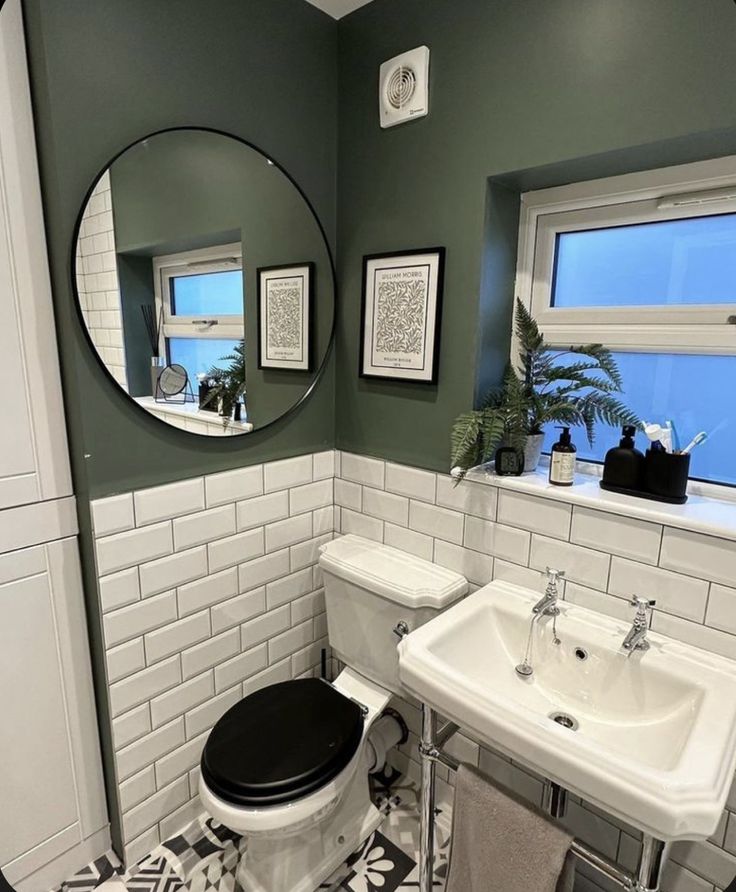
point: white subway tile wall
(487, 532)
(97, 280)
(199, 613)
(209, 590)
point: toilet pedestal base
(299, 863)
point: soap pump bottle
(623, 466)
(562, 461)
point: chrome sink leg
(426, 831)
(653, 854)
(554, 800)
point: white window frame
(700, 189)
(189, 263)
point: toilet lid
(281, 742)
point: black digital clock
(509, 462)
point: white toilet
(288, 765)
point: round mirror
(205, 282)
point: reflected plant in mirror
(167, 254)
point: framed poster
(284, 317)
(400, 330)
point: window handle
(208, 322)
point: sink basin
(649, 738)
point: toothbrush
(675, 436)
(656, 433)
(696, 441)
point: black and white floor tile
(204, 858)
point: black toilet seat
(281, 743)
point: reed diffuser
(153, 330)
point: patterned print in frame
(401, 314)
(285, 308)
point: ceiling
(338, 8)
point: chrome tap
(636, 639)
(547, 605)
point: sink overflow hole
(581, 653)
(562, 718)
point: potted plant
(227, 385)
(544, 387)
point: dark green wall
(192, 189)
(517, 88)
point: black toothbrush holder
(666, 474)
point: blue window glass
(200, 354)
(673, 263)
(695, 392)
(208, 294)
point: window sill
(701, 513)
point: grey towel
(501, 844)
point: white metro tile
(131, 725)
(127, 549)
(196, 529)
(235, 549)
(287, 473)
(203, 717)
(253, 574)
(182, 698)
(475, 567)
(360, 469)
(478, 499)
(144, 685)
(210, 653)
(232, 486)
(141, 846)
(674, 593)
(386, 506)
(288, 532)
(699, 555)
(288, 642)
(281, 591)
(131, 759)
(264, 627)
(535, 514)
(262, 510)
(310, 497)
(113, 515)
(579, 564)
(125, 659)
(119, 589)
(304, 554)
(618, 608)
(348, 495)
(523, 576)
(273, 675)
(407, 540)
(180, 761)
(179, 820)
(495, 539)
(438, 522)
(237, 610)
(361, 525)
(171, 500)
(323, 520)
(173, 638)
(137, 788)
(204, 592)
(411, 482)
(155, 807)
(177, 569)
(626, 536)
(307, 606)
(707, 860)
(324, 464)
(695, 634)
(134, 620)
(241, 667)
(722, 608)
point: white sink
(655, 742)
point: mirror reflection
(204, 282)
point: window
(200, 294)
(646, 265)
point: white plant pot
(532, 452)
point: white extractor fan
(403, 87)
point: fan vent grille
(401, 86)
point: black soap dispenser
(562, 460)
(623, 466)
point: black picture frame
(427, 265)
(306, 271)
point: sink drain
(567, 721)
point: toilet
(288, 766)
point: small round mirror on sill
(204, 282)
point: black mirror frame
(318, 373)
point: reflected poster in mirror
(185, 257)
(284, 307)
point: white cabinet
(53, 817)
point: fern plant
(539, 390)
(228, 384)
